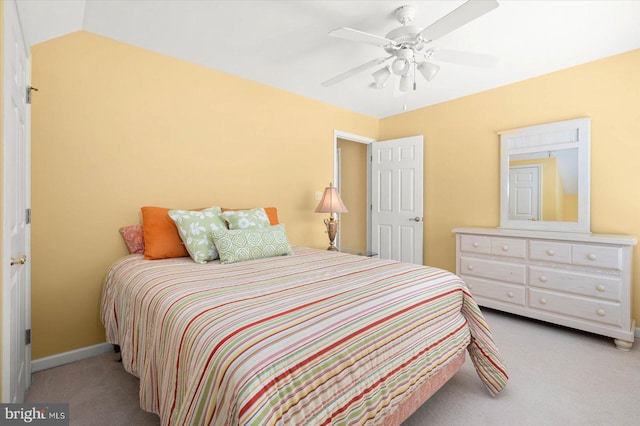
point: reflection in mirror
(544, 186)
(545, 177)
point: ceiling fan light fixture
(381, 77)
(405, 83)
(400, 66)
(428, 70)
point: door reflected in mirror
(543, 186)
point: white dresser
(576, 280)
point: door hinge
(27, 337)
(28, 216)
(29, 89)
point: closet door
(16, 230)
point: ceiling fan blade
(464, 58)
(458, 17)
(355, 71)
(361, 36)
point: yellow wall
(571, 208)
(353, 191)
(461, 170)
(115, 127)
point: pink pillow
(133, 238)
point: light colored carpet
(558, 377)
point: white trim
(338, 134)
(69, 357)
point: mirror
(544, 177)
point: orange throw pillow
(272, 214)
(161, 237)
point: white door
(16, 270)
(524, 193)
(397, 199)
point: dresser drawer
(575, 306)
(597, 256)
(550, 251)
(475, 244)
(600, 286)
(498, 291)
(510, 247)
(502, 271)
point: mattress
(317, 337)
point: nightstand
(359, 252)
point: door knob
(19, 260)
(416, 219)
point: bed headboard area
(207, 234)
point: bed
(317, 337)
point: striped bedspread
(314, 338)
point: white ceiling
(284, 44)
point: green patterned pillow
(244, 219)
(236, 245)
(195, 229)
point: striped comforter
(318, 337)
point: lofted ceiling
(285, 44)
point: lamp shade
(331, 201)
(428, 70)
(400, 66)
(405, 83)
(381, 76)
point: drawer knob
(592, 256)
(510, 294)
(551, 252)
(470, 267)
(600, 287)
(505, 248)
(475, 244)
(542, 278)
(543, 301)
(601, 312)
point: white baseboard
(99, 349)
(69, 357)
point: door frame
(338, 134)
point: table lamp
(331, 203)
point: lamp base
(332, 230)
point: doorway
(352, 178)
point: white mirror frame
(549, 137)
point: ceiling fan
(408, 46)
